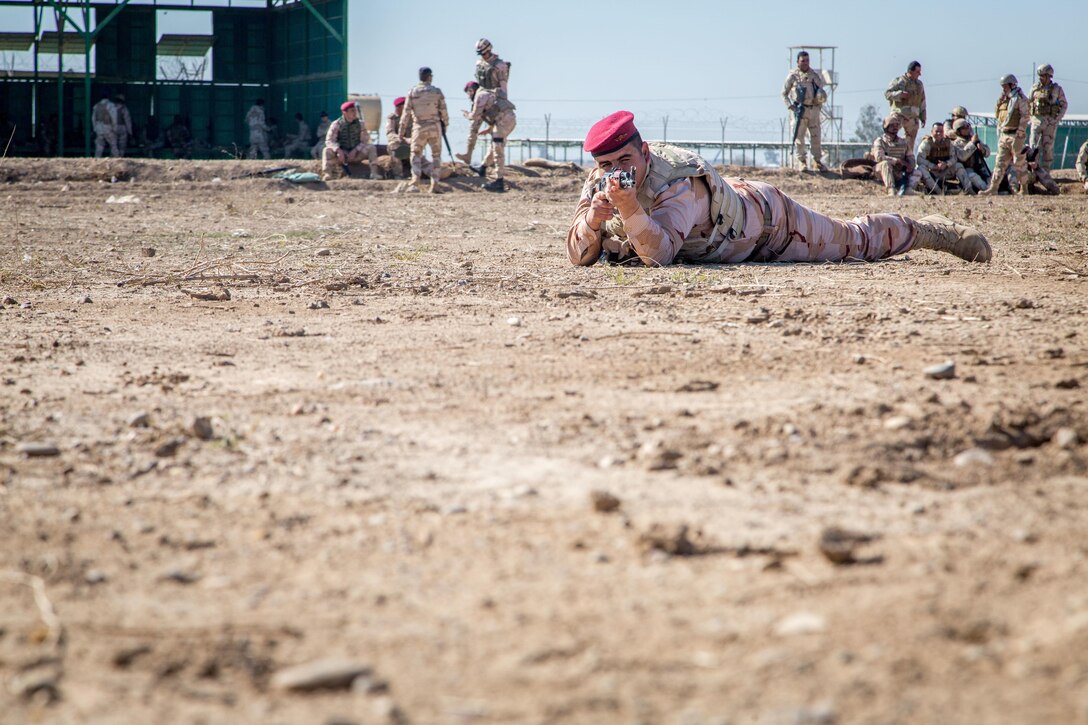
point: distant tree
(870, 124)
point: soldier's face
(623, 159)
(938, 133)
(916, 73)
(892, 129)
(802, 62)
(350, 114)
(1044, 79)
(964, 132)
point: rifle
(444, 138)
(799, 111)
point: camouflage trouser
(887, 174)
(258, 141)
(122, 141)
(331, 167)
(799, 234)
(298, 145)
(318, 147)
(426, 134)
(1009, 151)
(932, 178)
(1043, 131)
(974, 181)
(496, 155)
(911, 125)
(104, 134)
(1043, 177)
(809, 122)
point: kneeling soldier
(664, 204)
(347, 142)
(894, 160)
(937, 161)
(972, 154)
(488, 105)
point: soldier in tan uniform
(492, 72)
(937, 162)
(1082, 165)
(970, 152)
(258, 130)
(895, 160)
(488, 106)
(1048, 106)
(104, 118)
(803, 93)
(679, 209)
(949, 125)
(907, 97)
(425, 114)
(299, 141)
(346, 142)
(1011, 112)
(1036, 172)
(124, 124)
(323, 124)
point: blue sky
(699, 61)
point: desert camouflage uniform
(950, 132)
(493, 75)
(814, 96)
(965, 150)
(1082, 162)
(300, 141)
(258, 132)
(1012, 113)
(322, 131)
(930, 154)
(1036, 172)
(501, 119)
(913, 109)
(425, 114)
(1048, 106)
(885, 148)
(674, 223)
(104, 117)
(354, 140)
(124, 128)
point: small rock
(603, 501)
(126, 656)
(1067, 384)
(898, 422)
(762, 315)
(801, 623)
(41, 679)
(669, 539)
(139, 420)
(180, 576)
(859, 359)
(148, 251)
(87, 300)
(319, 305)
(38, 450)
(368, 685)
(324, 252)
(325, 674)
(655, 456)
(454, 510)
(839, 545)
(973, 456)
(95, 576)
(943, 371)
(169, 448)
(202, 428)
(1025, 304)
(514, 321)
(9, 300)
(1066, 438)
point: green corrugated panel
(125, 47)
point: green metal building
(291, 53)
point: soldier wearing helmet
(1012, 113)
(1048, 105)
(492, 72)
(499, 114)
(907, 97)
(955, 114)
(972, 153)
(895, 159)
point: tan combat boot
(941, 234)
(467, 158)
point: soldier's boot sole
(941, 234)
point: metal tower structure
(822, 59)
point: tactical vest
(350, 134)
(897, 149)
(814, 95)
(912, 106)
(1012, 122)
(497, 109)
(487, 72)
(938, 150)
(1044, 101)
(669, 164)
(425, 98)
(102, 113)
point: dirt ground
(497, 488)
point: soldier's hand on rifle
(624, 200)
(600, 211)
(903, 95)
(941, 166)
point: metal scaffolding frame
(78, 16)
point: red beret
(610, 133)
(346, 105)
(398, 101)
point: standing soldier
(937, 162)
(895, 160)
(258, 130)
(1012, 113)
(907, 97)
(972, 154)
(1048, 106)
(322, 129)
(803, 93)
(300, 141)
(488, 106)
(492, 72)
(346, 142)
(425, 114)
(104, 117)
(124, 124)
(1082, 165)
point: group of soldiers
(419, 121)
(951, 151)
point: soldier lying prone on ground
(680, 209)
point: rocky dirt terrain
(398, 441)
